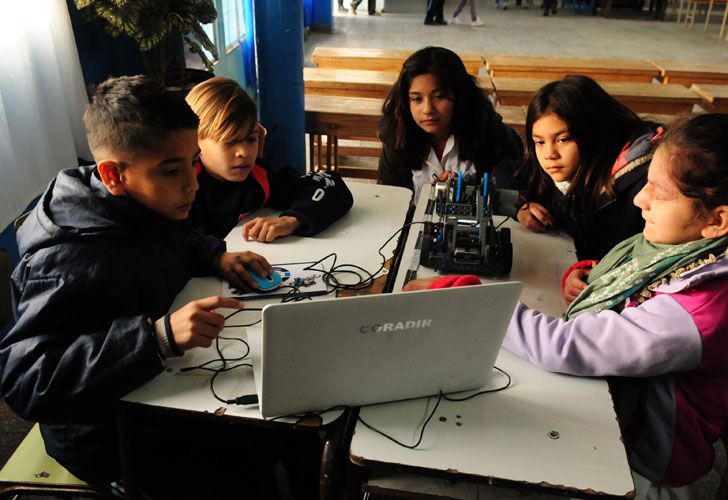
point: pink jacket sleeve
(657, 337)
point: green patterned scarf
(634, 264)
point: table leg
(131, 488)
(329, 148)
(311, 165)
(319, 157)
(336, 151)
(335, 456)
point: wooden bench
(639, 97)
(715, 97)
(331, 118)
(686, 72)
(359, 82)
(514, 117)
(348, 82)
(555, 68)
(658, 118)
(379, 59)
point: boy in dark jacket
(233, 184)
(104, 254)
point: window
(234, 23)
(192, 60)
(209, 30)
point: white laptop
(356, 351)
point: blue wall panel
(279, 49)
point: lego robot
(459, 235)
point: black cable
(212, 385)
(224, 361)
(330, 275)
(440, 397)
(422, 429)
(317, 413)
(479, 393)
(215, 373)
(221, 359)
(238, 311)
(244, 325)
(365, 279)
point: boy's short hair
(133, 114)
(224, 108)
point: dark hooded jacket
(96, 271)
(616, 217)
(316, 199)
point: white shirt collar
(562, 186)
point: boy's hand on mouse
(575, 282)
(197, 325)
(232, 267)
(535, 217)
(267, 229)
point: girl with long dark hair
(586, 159)
(437, 120)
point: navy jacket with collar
(615, 218)
(316, 199)
(96, 271)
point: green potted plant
(158, 27)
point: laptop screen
(369, 349)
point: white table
(377, 213)
(505, 437)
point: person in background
(434, 15)
(474, 19)
(371, 7)
(549, 6)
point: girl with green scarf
(655, 311)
